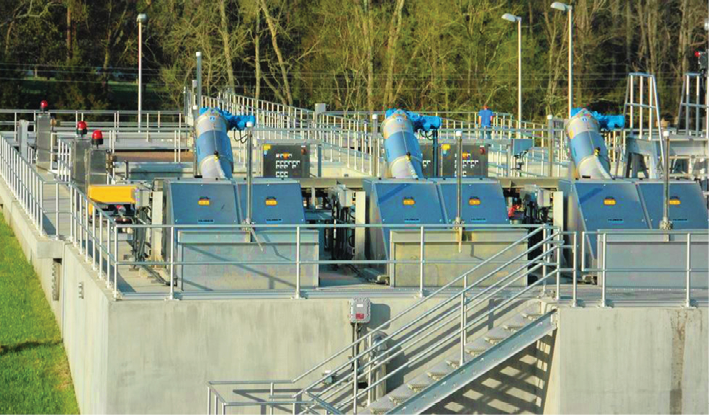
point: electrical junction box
(285, 161)
(360, 310)
(475, 163)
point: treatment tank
(588, 150)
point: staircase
(437, 345)
(480, 356)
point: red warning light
(97, 137)
(43, 105)
(697, 54)
(482, 150)
(81, 127)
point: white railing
(125, 121)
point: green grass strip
(34, 372)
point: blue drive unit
(482, 201)
(274, 201)
(687, 204)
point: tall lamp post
(516, 19)
(142, 18)
(570, 11)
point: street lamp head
(560, 6)
(706, 25)
(511, 17)
(142, 18)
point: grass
(34, 372)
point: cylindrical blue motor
(213, 147)
(588, 150)
(403, 152)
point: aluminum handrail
(367, 338)
(439, 322)
(441, 305)
(601, 244)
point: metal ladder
(436, 330)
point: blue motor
(212, 145)
(401, 146)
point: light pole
(570, 11)
(142, 18)
(512, 18)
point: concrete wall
(631, 360)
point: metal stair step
(400, 394)
(497, 334)
(532, 313)
(439, 370)
(381, 406)
(477, 347)
(516, 323)
(419, 382)
(454, 362)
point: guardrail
(338, 388)
(602, 270)
(116, 120)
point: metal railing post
(574, 300)
(297, 261)
(603, 271)
(56, 210)
(93, 238)
(558, 265)
(463, 323)
(115, 261)
(688, 300)
(172, 262)
(421, 263)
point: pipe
(212, 146)
(401, 146)
(587, 148)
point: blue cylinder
(587, 147)
(213, 146)
(401, 146)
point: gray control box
(360, 310)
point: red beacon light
(81, 128)
(97, 138)
(43, 105)
(697, 54)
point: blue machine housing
(429, 202)
(223, 202)
(288, 208)
(594, 205)
(482, 201)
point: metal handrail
(450, 312)
(541, 260)
(603, 269)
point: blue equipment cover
(605, 122)
(420, 122)
(234, 122)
